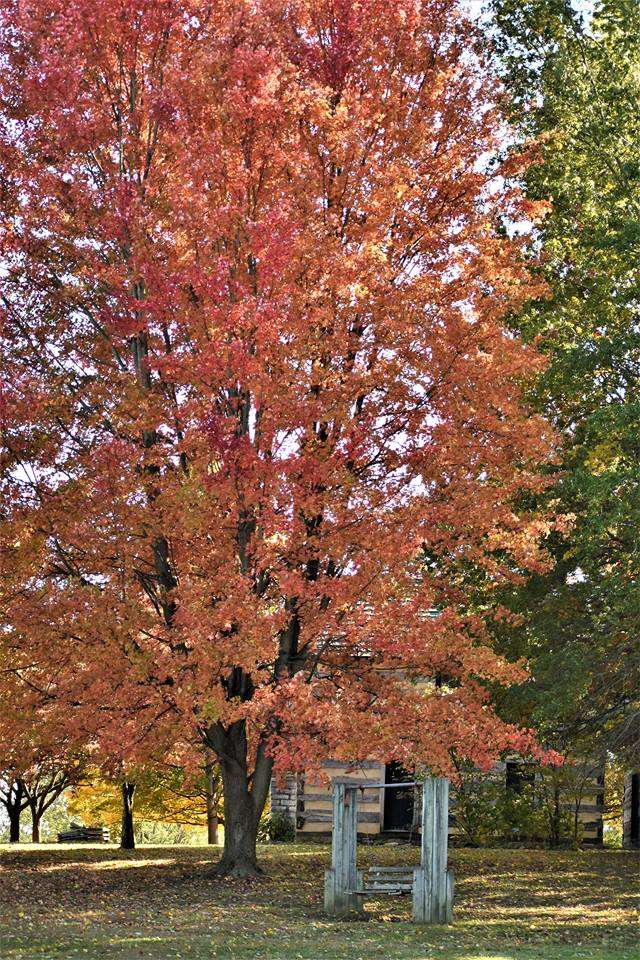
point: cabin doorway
(398, 804)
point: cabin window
(519, 776)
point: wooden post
(342, 880)
(432, 883)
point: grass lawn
(161, 903)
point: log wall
(308, 801)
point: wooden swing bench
(393, 881)
(430, 884)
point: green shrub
(476, 805)
(489, 813)
(276, 828)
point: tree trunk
(244, 799)
(14, 809)
(555, 821)
(35, 828)
(212, 813)
(240, 825)
(212, 827)
(127, 839)
(14, 824)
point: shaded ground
(161, 903)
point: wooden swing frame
(430, 884)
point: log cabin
(389, 814)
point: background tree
(164, 795)
(38, 759)
(574, 87)
(44, 785)
(14, 800)
(256, 363)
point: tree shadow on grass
(506, 901)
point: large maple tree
(260, 402)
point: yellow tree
(164, 794)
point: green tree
(574, 88)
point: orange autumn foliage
(260, 399)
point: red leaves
(263, 405)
